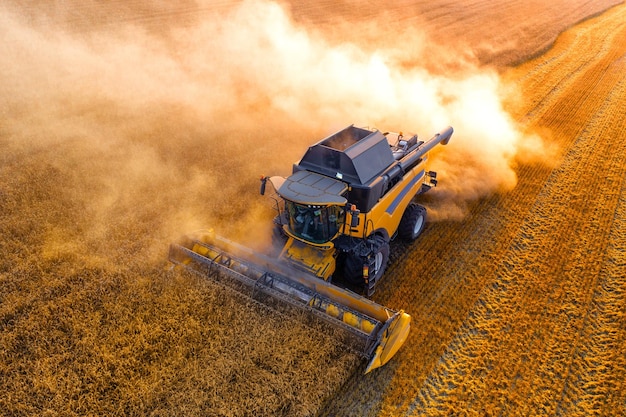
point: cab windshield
(317, 224)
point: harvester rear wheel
(413, 222)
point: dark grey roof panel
(311, 188)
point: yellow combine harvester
(346, 199)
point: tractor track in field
(602, 327)
(505, 304)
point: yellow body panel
(387, 213)
(316, 259)
(393, 339)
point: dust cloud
(156, 133)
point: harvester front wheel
(374, 263)
(413, 222)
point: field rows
(155, 16)
(522, 283)
(469, 23)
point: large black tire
(412, 222)
(353, 269)
(376, 259)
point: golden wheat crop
(125, 125)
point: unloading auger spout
(376, 332)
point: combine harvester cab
(347, 198)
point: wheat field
(529, 320)
(127, 124)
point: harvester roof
(310, 188)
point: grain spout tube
(375, 331)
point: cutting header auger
(346, 199)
